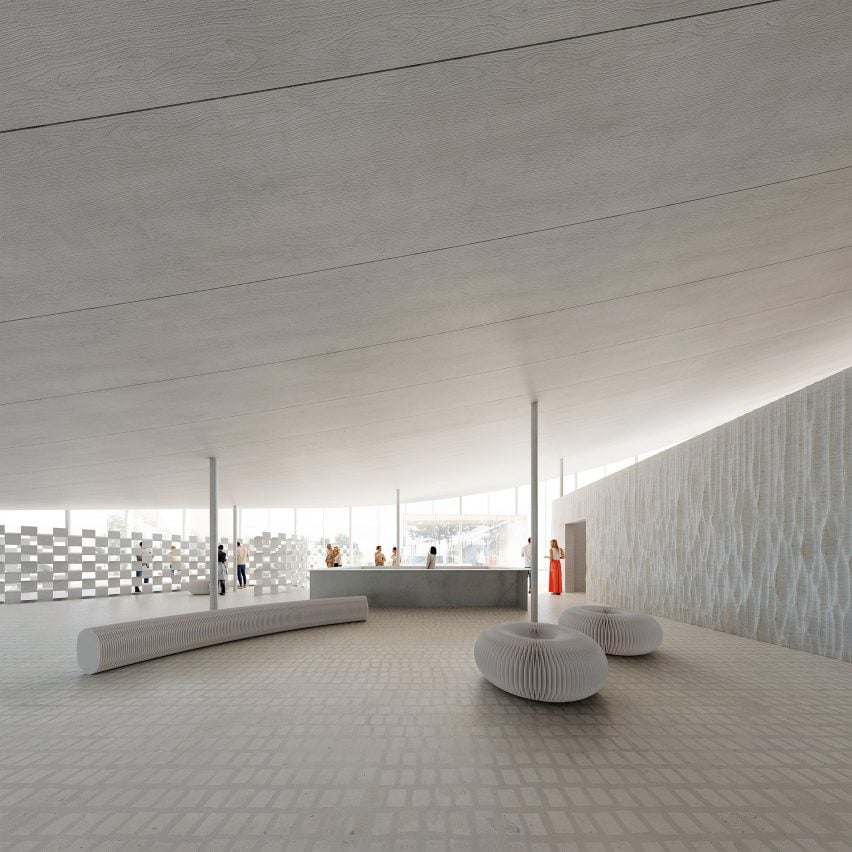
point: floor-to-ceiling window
(487, 528)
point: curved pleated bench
(114, 645)
(198, 586)
(540, 661)
(620, 632)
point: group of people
(380, 559)
(556, 554)
(145, 555)
(333, 557)
(242, 556)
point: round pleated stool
(618, 631)
(540, 661)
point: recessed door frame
(575, 556)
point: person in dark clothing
(141, 556)
(136, 589)
(223, 568)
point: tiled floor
(383, 736)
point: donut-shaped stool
(540, 661)
(618, 631)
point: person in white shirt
(242, 561)
(432, 557)
(526, 552)
(174, 563)
(143, 555)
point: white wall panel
(745, 529)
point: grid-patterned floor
(383, 736)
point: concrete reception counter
(419, 587)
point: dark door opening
(575, 557)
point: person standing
(174, 564)
(432, 557)
(329, 556)
(526, 552)
(379, 556)
(222, 559)
(395, 558)
(335, 555)
(556, 555)
(174, 558)
(144, 556)
(242, 558)
(140, 553)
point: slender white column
(183, 525)
(398, 539)
(562, 477)
(68, 521)
(351, 554)
(234, 546)
(534, 509)
(214, 534)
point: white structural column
(351, 554)
(234, 547)
(562, 477)
(534, 509)
(398, 539)
(68, 521)
(214, 533)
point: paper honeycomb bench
(619, 632)
(539, 661)
(115, 645)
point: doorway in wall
(575, 557)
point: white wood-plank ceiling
(342, 245)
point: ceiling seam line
(477, 374)
(421, 253)
(389, 70)
(368, 346)
(458, 408)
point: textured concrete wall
(745, 529)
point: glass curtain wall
(489, 528)
(365, 534)
(336, 532)
(281, 521)
(478, 529)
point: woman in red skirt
(556, 554)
